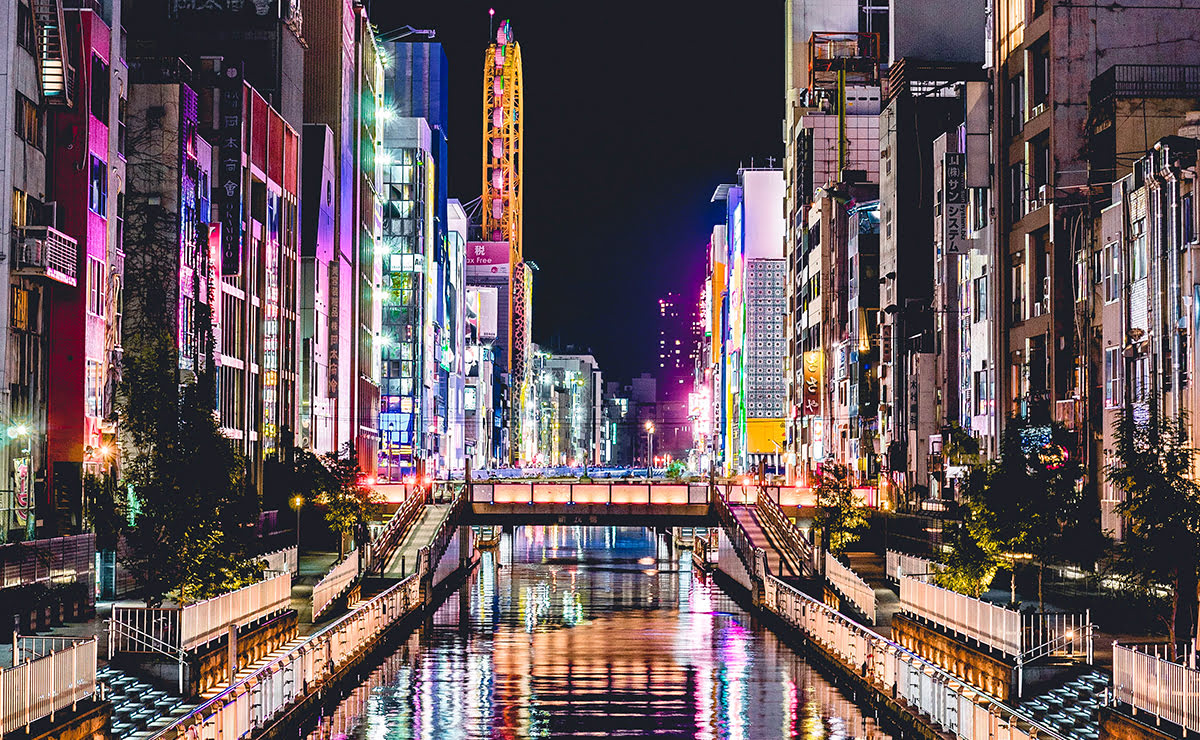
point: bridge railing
(1148, 682)
(607, 494)
(335, 583)
(753, 558)
(948, 702)
(50, 675)
(285, 560)
(990, 625)
(899, 563)
(850, 585)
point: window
(1017, 186)
(25, 29)
(1138, 255)
(1018, 291)
(979, 298)
(20, 309)
(122, 112)
(1109, 272)
(100, 89)
(1112, 377)
(95, 286)
(1016, 103)
(1039, 78)
(981, 392)
(98, 187)
(28, 122)
(95, 388)
(1189, 219)
(20, 215)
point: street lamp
(297, 502)
(649, 449)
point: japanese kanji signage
(955, 194)
(810, 405)
(229, 167)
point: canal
(591, 632)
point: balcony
(43, 251)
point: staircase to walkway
(781, 561)
(404, 561)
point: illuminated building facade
(753, 307)
(502, 210)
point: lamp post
(297, 503)
(650, 451)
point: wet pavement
(570, 632)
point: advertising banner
(488, 258)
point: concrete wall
(210, 668)
(983, 671)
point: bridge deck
(404, 560)
(779, 561)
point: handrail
(431, 554)
(395, 530)
(850, 585)
(254, 701)
(47, 684)
(738, 537)
(334, 583)
(788, 533)
(1151, 683)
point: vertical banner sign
(811, 405)
(22, 503)
(335, 311)
(229, 168)
(954, 193)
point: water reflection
(592, 632)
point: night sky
(633, 115)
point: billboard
(488, 258)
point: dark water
(595, 632)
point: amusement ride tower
(502, 207)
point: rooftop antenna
(491, 19)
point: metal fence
(174, 630)
(286, 560)
(990, 625)
(1148, 682)
(948, 702)
(257, 700)
(334, 583)
(899, 563)
(55, 560)
(850, 585)
(53, 674)
(393, 533)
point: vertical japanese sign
(229, 167)
(214, 287)
(811, 403)
(954, 194)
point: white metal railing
(1147, 682)
(175, 630)
(948, 702)
(899, 563)
(211, 618)
(987, 624)
(339, 578)
(791, 538)
(394, 532)
(286, 560)
(62, 673)
(257, 700)
(850, 585)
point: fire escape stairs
(57, 74)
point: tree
(1032, 495)
(350, 504)
(1153, 465)
(971, 562)
(194, 522)
(839, 516)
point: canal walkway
(779, 560)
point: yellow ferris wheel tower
(503, 160)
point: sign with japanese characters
(229, 167)
(954, 193)
(810, 404)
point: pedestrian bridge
(590, 503)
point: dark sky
(634, 113)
